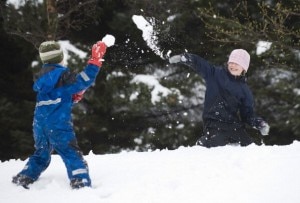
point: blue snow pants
(62, 139)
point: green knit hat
(51, 52)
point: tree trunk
(52, 19)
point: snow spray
(149, 35)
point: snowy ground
(256, 174)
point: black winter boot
(79, 183)
(22, 180)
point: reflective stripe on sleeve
(84, 76)
(48, 102)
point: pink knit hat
(241, 57)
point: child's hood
(48, 77)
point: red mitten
(98, 51)
(78, 96)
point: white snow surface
(253, 174)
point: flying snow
(149, 34)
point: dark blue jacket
(228, 100)
(55, 86)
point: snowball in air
(109, 40)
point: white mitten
(177, 59)
(264, 128)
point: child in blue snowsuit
(229, 103)
(57, 89)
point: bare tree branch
(51, 20)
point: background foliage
(108, 119)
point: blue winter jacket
(55, 86)
(228, 100)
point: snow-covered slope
(189, 174)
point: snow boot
(78, 183)
(22, 180)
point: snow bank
(253, 174)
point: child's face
(235, 69)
